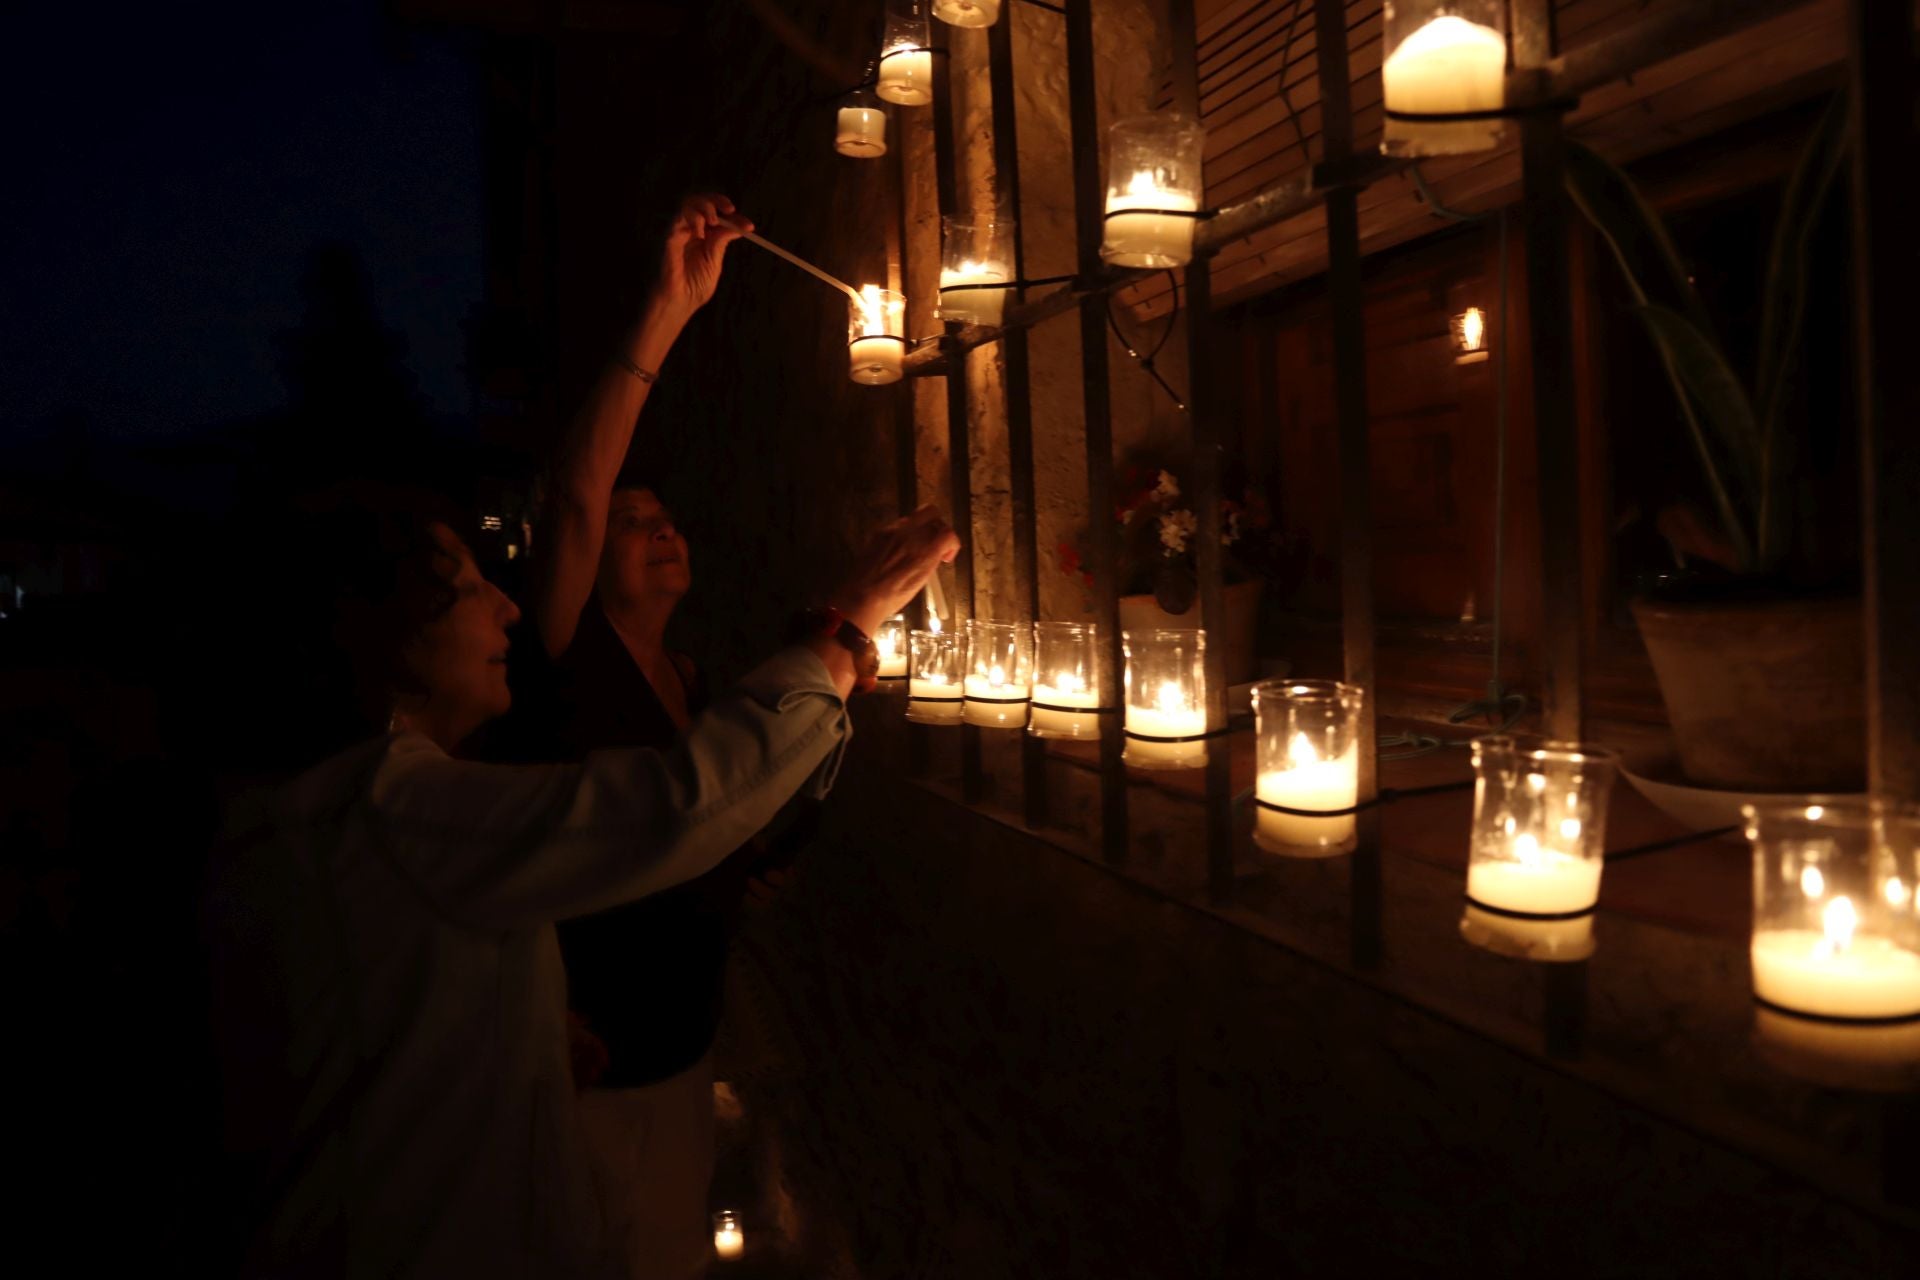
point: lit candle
(1149, 239)
(934, 699)
(890, 643)
(1448, 65)
(876, 346)
(906, 76)
(1534, 881)
(995, 702)
(1053, 700)
(1833, 972)
(729, 1241)
(972, 306)
(1171, 715)
(1308, 782)
(862, 132)
(1524, 939)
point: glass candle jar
(967, 13)
(906, 56)
(1066, 688)
(1444, 58)
(1153, 190)
(999, 674)
(934, 684)
(729, 1239)
(860, 126)
(1836, 935)
(890, 641)
(1539, 843)
(1166, 698)
(1309, 742)
(876, 336)
(974, 276)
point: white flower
(1168, 489)
(1176, 527)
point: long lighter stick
(936, 601)
(801, 263)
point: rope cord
(1146, 361)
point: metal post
(1089, 203)
(905, 458)
(1020, 456)
(959, 444)
(1356, 482)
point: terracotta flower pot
(1243, 610)
(1763, 696)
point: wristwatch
(829, 623)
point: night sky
(169, 168)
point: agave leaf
(1783, 311)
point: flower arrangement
(1157, 531)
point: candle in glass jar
(933, 699)
(1308, 782)
(1148, 239)
(893, 655)
(906, 77)
(729, 1241)
(875, 348)
(1056, 704)
(1832, 972)
(973, 306)
(1524, 939)
(1534, 881)
(862, 132)
(1172, 715)
(1449, 65)
(995, 702)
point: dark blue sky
(167, 170)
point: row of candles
(1836, 886)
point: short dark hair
(648, 474)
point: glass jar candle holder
(974, 276)
(729, 1238)
(1153, 190)
(1836, 936)
(860, 126)
(1066, 688)
(905, 76)
(967, 13)
(1539, 842)
(1447, 59)
(936, 667)
(890, 642)
(876, 336)
(1309, 742)
(1166, 698)
(999, 674)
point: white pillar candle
(973, 306)
(1171, 716)
(1148, 239)
(1308, 783)
(933, 700)
(1561, 940)
(986, 705)
(1065, 690)
(876, 349)
(1448, 65)
(876, 361)
(1535, 881)
(862, 132)
(893, 657)
(906, 77)
(729, 1241)
(1832, 972)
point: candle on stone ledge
(1308, 736)
(890, 642)
(999, 673)
(876, 336)
(1441, 64)
(1066, 692)
(1538, 847)
(935, 693)
(729, 1240)
(1166, 714)
(1153, 185)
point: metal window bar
(905, 448)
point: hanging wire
(1280, 83)
(1146, 361)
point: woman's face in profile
(645, 554)
(460, 657)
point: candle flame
(885, 644)
(1069, 682)
(873, 312)
(1569, 828)
(1896, 891)
(1536, 782)
(1301, 753)
(1171, 699)
(997, 676)
(1839, 920)
(1473, 329)
(933, 621)
(1812, 883)
(1143, 184)
(1526, 849)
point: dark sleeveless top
(646, 976)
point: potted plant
(1759, 651)
(1156, 530)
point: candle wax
(893, 660)
(1870, 977)
(1547, 883)
(973, 306)
(1148, 239)
(861, 133)
(1450, 64)
(875, 361)
(967, 13)
(924, 712)
(1552, 940)
(728, 1242)
(995, 715)
(1050, 723)
(1308, 783)
(906, 77)
(1178, 723)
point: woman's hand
(896, 563)
(696, 243)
